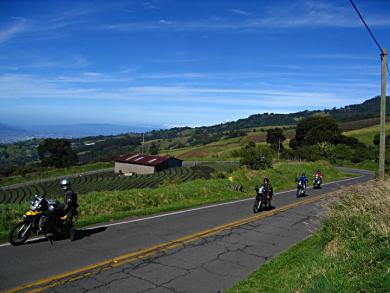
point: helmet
(266, 179)
(65, 184)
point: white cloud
(206, 104)
(239, 11)
(19, 25)
(340, 56)
(40, 63)
(293, 14)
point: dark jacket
(267, 190)
(70, 200)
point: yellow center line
(89, 270)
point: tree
(154, 148)
(56, 153)
(376, 139)
(275, 138)
(256, 157)
(317, 129)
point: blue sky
(184, 63)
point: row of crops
(104, 182)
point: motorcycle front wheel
(256, 206)
(19, 233)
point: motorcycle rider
(70, 208)
(267, 190)
(304, 180)
(318, 173)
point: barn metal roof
(141, 159)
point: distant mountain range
(10, 133)
(367, 109)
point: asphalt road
(206, 249)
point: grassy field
(359, 124)
(48, 172)
(220, 150)
(351, 253)
(223, 149)
(98, 207)
(366, 135)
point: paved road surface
(204, 249)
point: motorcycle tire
(256, 208)
(16, 230)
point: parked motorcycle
(301, 190)
(317, 181)
(47, 211)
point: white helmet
(65, 184)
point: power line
(361, 17)
(371, 34)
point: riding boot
(72, 234)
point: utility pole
(382, 141)
(143, 142)
(278, 148)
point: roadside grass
(48, 172)
(350, 253)
(97, 207)
(365, 165)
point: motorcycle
(47, 211)
(301, 190)
(317, 181)
(262, 201)
(259, 202)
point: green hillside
(366, 135)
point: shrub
(342, 152)
(287, 154)
(360, 154)
(256, 157)
(377, 137)
(310, 153)
(219, 175)
(351, 141)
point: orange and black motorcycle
(45, 216)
